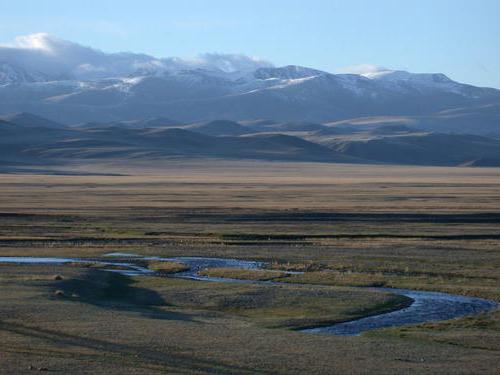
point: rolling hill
(39, 145)
(425, 149)
(39, 141)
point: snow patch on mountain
(400, 75)
(402, 80)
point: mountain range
(71, 84)
(60, 101)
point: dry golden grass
(263, 185)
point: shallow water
(131, 269)
(197, 264)
(122, 255)
(427, 306)
(35, 260)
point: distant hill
(479, 120)
(393, 129)
(36, 140)
(298, 126)
(221, 128)
(484, 162)
(40, 145)
(155, 122)
(427, 149)
(30, 120)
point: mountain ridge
(70, 83)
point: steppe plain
(346, 226)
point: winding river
(426, 306)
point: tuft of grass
(236, 273)
(167, 267)
(470, 286)
(96, 265)
(335, 278)
(296, 267)
(473, 332)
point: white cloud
(230, 63)
(39, 41)
(47, 54)
(362, 69)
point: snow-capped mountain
(71, 83)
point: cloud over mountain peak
(47, 54)
(38, 41)
(363, 69)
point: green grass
(117, 326)
(309, 266)
(235, 273)
(478, 287)
(271, 306)
(167, 267)
(479, 332)
(473, 286)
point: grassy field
(346, 226)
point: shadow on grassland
(117, 292)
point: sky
(460, 38)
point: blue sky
(460, 38)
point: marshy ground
(345, 226)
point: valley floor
(345, 226)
